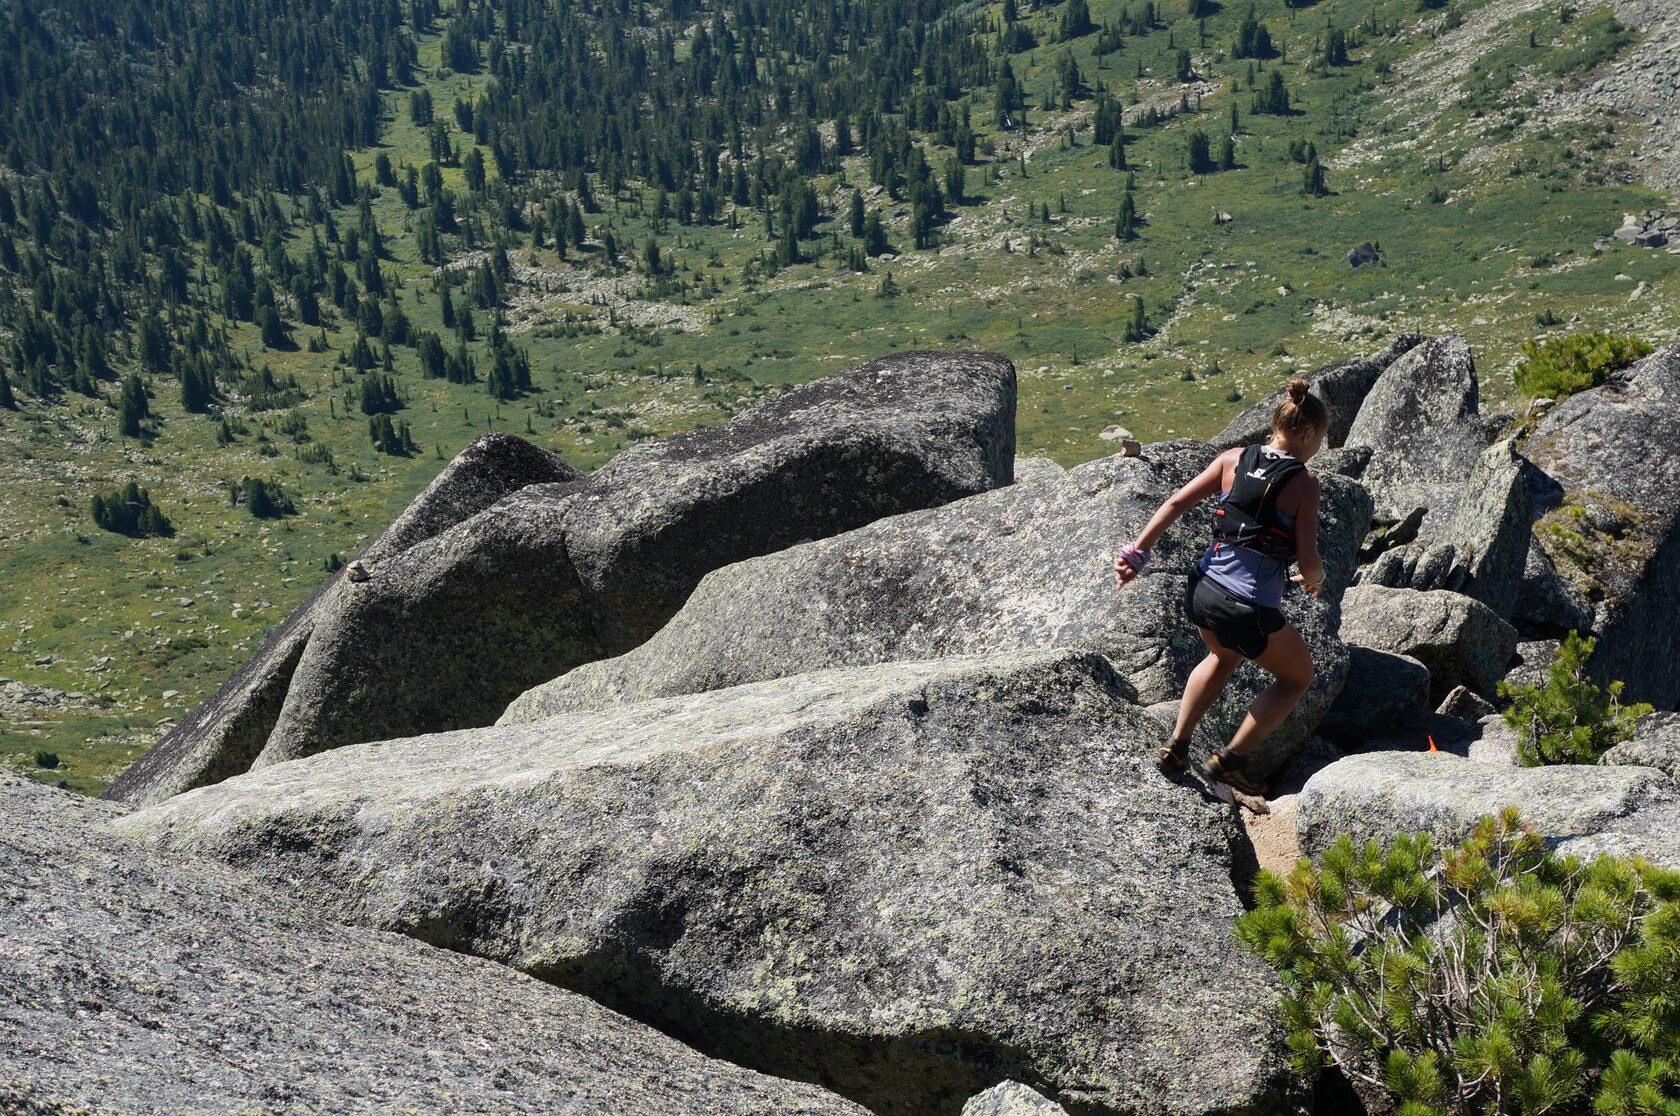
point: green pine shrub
(1559, 367)
(1492, 979)
(1570, 719)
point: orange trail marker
(1432, 747)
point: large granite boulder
(1547, 601)
(136, 984)
(1481, 547)
(1616, 451)
(448, 628)
(908, 881)
(1342, 388)
(1022, 568)
(225, 733)
(1421, 422)
(1655, 743)
(1485, 739)
(1458, 638)
(1382, 689)
(1584, 810)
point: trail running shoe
(1220, 767)
(1174, 756)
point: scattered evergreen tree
(198, 386)
(1253, 40)
(274, 335)
(379, 395)
(1137, 325)
(1274, 100)
(1076, 20)
(1010, 99)
(874, 235)
(1200, 162)
(395, 439)
(1569, 719)
(1312, 179)
(129, 511)
(1335, 48)
(134, 407)
(1125, 226)
(263, 498)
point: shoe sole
(1251, 789)
(1171, 763)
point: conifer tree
(1200, 163)
(874, 235)
(134, 407)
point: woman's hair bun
(1297, 390)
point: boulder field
(1027, 567)
(820, 745)
(907, 881)
(511, 568)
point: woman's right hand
(1128, 565)
(1123, 573)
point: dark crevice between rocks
(930, 1072)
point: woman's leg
(1206, 682)
(1290, 663)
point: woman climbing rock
(1267, 518)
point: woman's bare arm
(1206, 483)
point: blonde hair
(1298, 411)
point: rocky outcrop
(1644, 84)
(1616, 451)
(1531, 662)
(1655, 743)
(1341, 387)
(1481, 548)
(1023, 568)
(141, 985)
(1547, 601)
(1458, 638)
(1031, 469)
(1582, 809)
(1485, 739)
(1421, 422)
(224, 734)
(448, 629)
(1012, 1099)
(1382, 689)
(910, 881)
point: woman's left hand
(1312, 587)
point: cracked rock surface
(140, 985)
(908, 881)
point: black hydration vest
(1248, 515)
